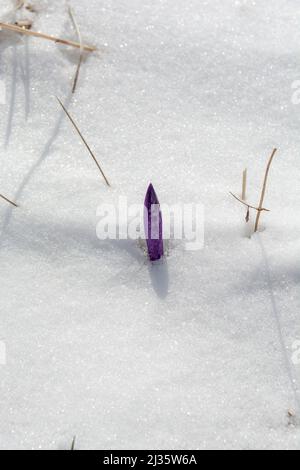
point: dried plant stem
(8, 200)
(72, 16)
(17, 29)
(84, 141)
(73, 443)
(248, 205)
(244, 187)
(264, 188)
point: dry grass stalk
(73, 443)
(264, 188)
(8, 200)
(249, 205)
(259, 209)
(84, 141)
(66, 42)
(72, 16)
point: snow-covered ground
(196, 353)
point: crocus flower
(153, 225)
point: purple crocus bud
(153, 225)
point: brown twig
(17, 29)
(264, 188)
(73, 19)
(8, 200)
(262, 209)
(83, 140)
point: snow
(195, 353)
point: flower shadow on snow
(159, 275)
